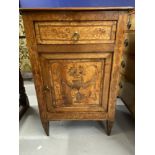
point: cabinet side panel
(118, 51)
(32, 49)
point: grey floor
(75, 137)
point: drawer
(75, 32)
(128, 67)
(131, 21)
(129, 44)
(127, 93)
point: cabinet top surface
(77, 4)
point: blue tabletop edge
(75, 3)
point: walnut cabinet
(75, 55)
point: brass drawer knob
(126, 43)
(46, 88)
(75, 36)
(129, 23)
(120, 85)
(123, 64)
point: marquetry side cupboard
(75, 55)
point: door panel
(76, 82)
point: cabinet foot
(109, 125)
(46, 127)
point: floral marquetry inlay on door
(76, 83)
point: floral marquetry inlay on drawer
(75, 32)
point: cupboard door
(76, 82)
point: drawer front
(127, 93)
(128, 67)
(131, 21)
(75, 32)
(76, 82)
(129, 44)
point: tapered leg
(109, 125)
(23, 99)
(46, 127)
